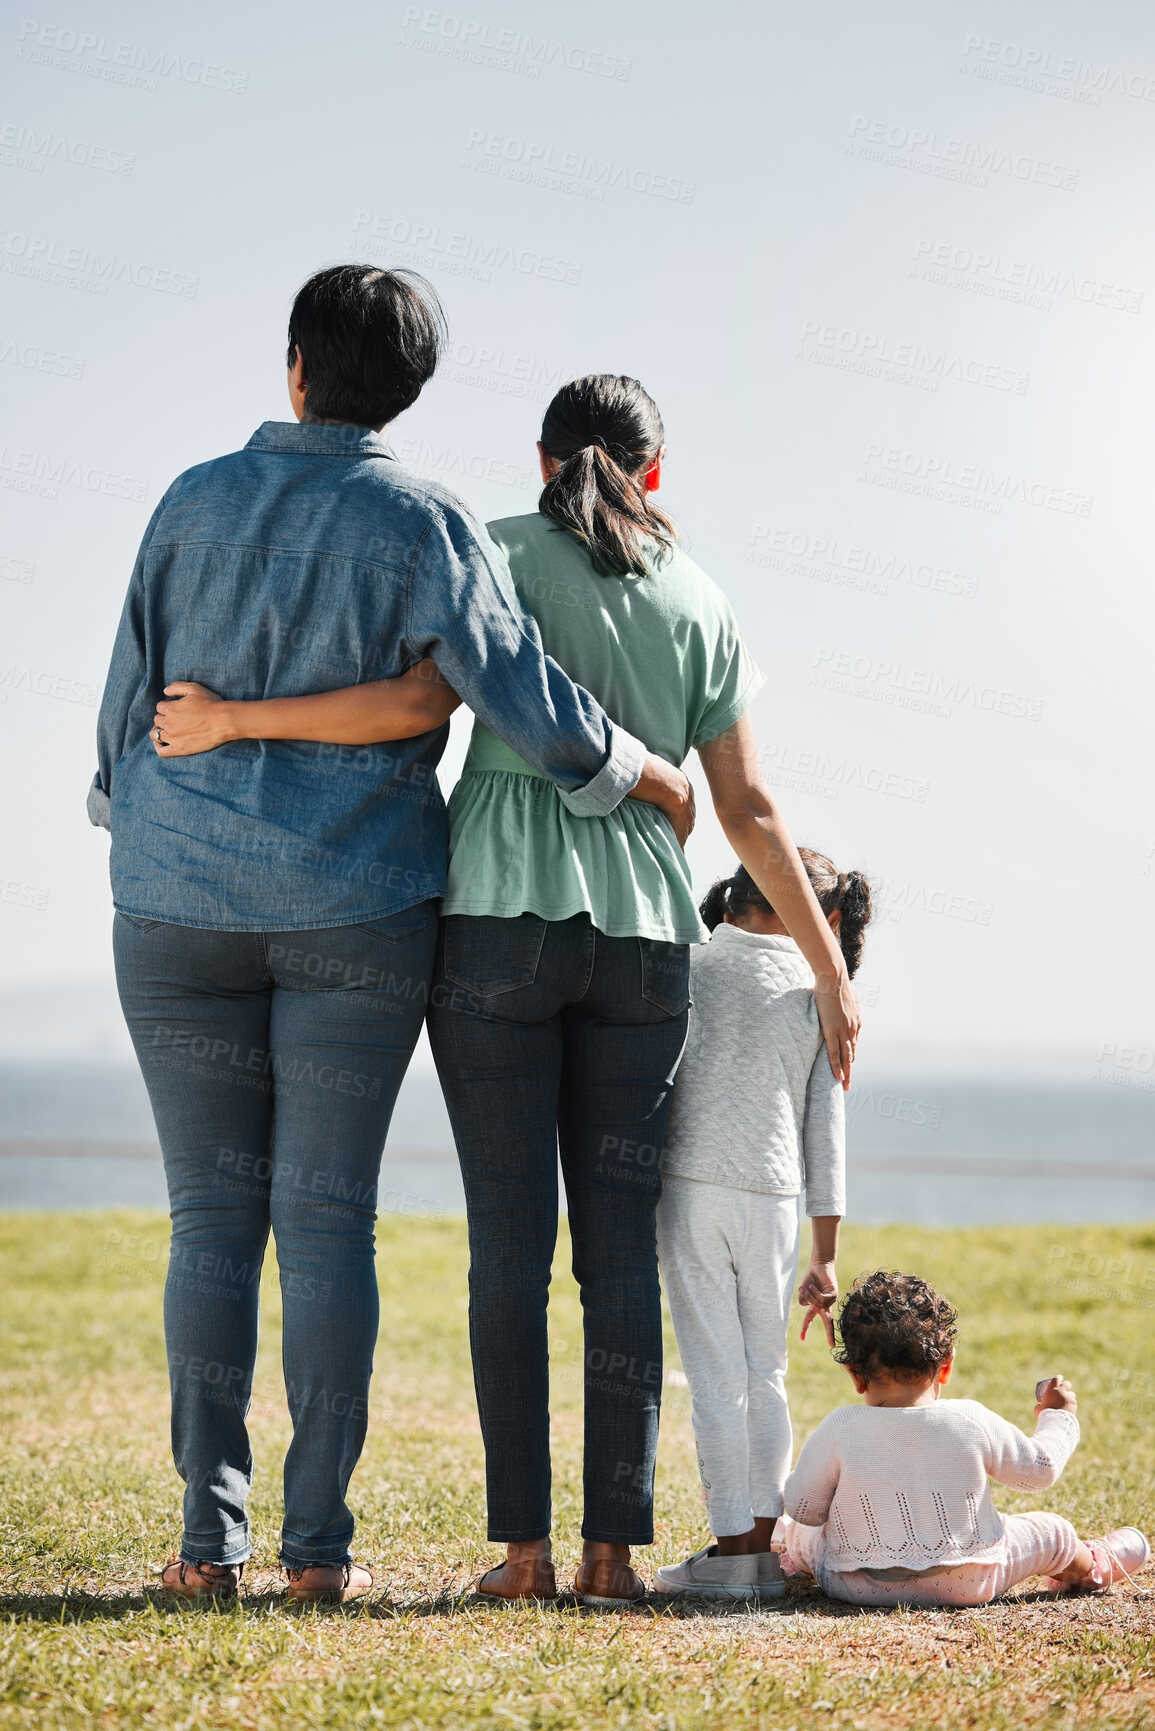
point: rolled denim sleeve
(617, 776)
(127, 672)
(464, 611)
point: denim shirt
(307, 561)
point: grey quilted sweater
(756, 1106)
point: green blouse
(663, 656)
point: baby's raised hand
(1055, 1394)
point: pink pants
(1034, 1545)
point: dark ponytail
(846, 892)
(605, 431)
(736, 896)
(856, 909)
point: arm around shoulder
(463, 610)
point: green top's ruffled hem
(514, 848)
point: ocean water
(920, 1149)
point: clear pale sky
(890, 275)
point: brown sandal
(608, 1584)
(533, 1579)
(328, 1583)
(201, 1580)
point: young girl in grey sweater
(757, 1119)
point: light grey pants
(729, 1259)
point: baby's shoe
(709, 1576)
(1117, 1556)
(768, 1583)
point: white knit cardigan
(908, 1487)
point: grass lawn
(89, 1507)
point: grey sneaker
(710, 1577)
(768, 1582)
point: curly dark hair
(895, 1325)
(849, 892)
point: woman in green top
(560, 997)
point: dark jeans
(273, 1063)
(548, 1036)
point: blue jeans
(273, 1062)
(550, 1036)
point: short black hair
(896, 1325)
(369, 339)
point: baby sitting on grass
(890, 1503)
